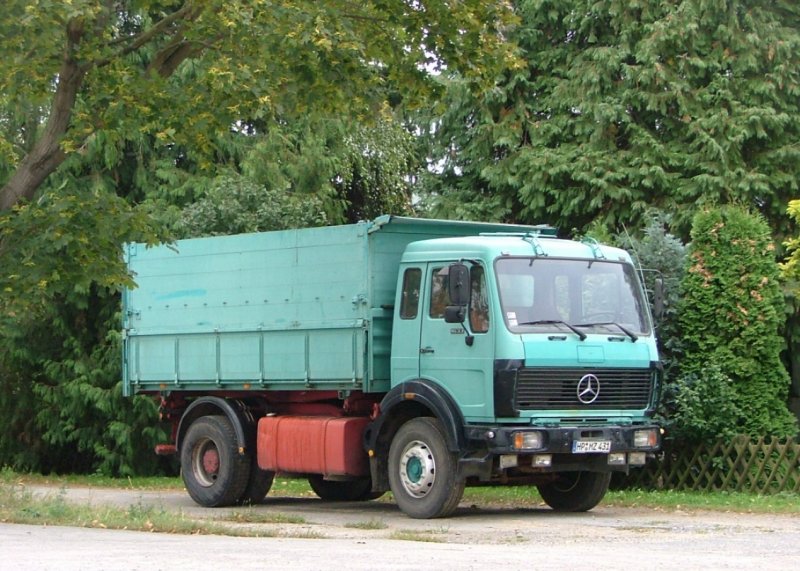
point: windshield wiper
(577, 332)
(625, 330)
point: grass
(20, 506)
(528, 497)
(783, 503)
(372, 524)
(427, 536)
(252, 516)
(92, 481)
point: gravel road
(330, 536)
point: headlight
(529, 440)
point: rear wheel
(422, 471)
(214, 472)
(343, 490)
(258, 485)
(575, 491)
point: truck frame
(411, 355)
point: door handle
(424, 350)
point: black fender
(420, 395)
(236, 412)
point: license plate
(588, 446)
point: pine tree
(624, 105)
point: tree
(730, 315)
(623, 106)
(235, 205)
(657, 249)
(356, 171)
(61, 405)
(791, 273)
(116, 114)
(791, 268)
(92, 67)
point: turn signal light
(645, 438)
(530, 440)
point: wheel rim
(205, 462)
(417, 469)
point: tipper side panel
(281, 310)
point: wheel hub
(205, 462)
(417, 469)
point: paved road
(475, 538)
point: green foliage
(62, 245)
(622, 106)
(791, 274)
(60, 394)
(730, 315)
(174, 104)
(235, 205)
(357, 171)
(183, 71)
(659, 250)
(706, 407)
(791, 268)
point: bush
(730, 315)
(705, 407)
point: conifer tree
(624, 105)
(730, 315)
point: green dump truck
(416, 356)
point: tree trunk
(46, 155)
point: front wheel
(575, 491)
(422, 471)
(214, 472)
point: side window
(439, 296)
(479, 301)
(409, 302)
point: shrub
(730, 315)
(705, 406)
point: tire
(359, 490)
(575, 491)
(422, 471)
(214, 472)
(258, 485)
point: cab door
(407, 324)
(458, 357)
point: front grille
(557, 388)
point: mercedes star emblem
(588, 389)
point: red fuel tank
(313, 445)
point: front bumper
(558, 449)
(500, 440)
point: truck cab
(536, 354)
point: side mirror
(455, 313)
(658, 298)
(458, 284)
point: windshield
(546, 294)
